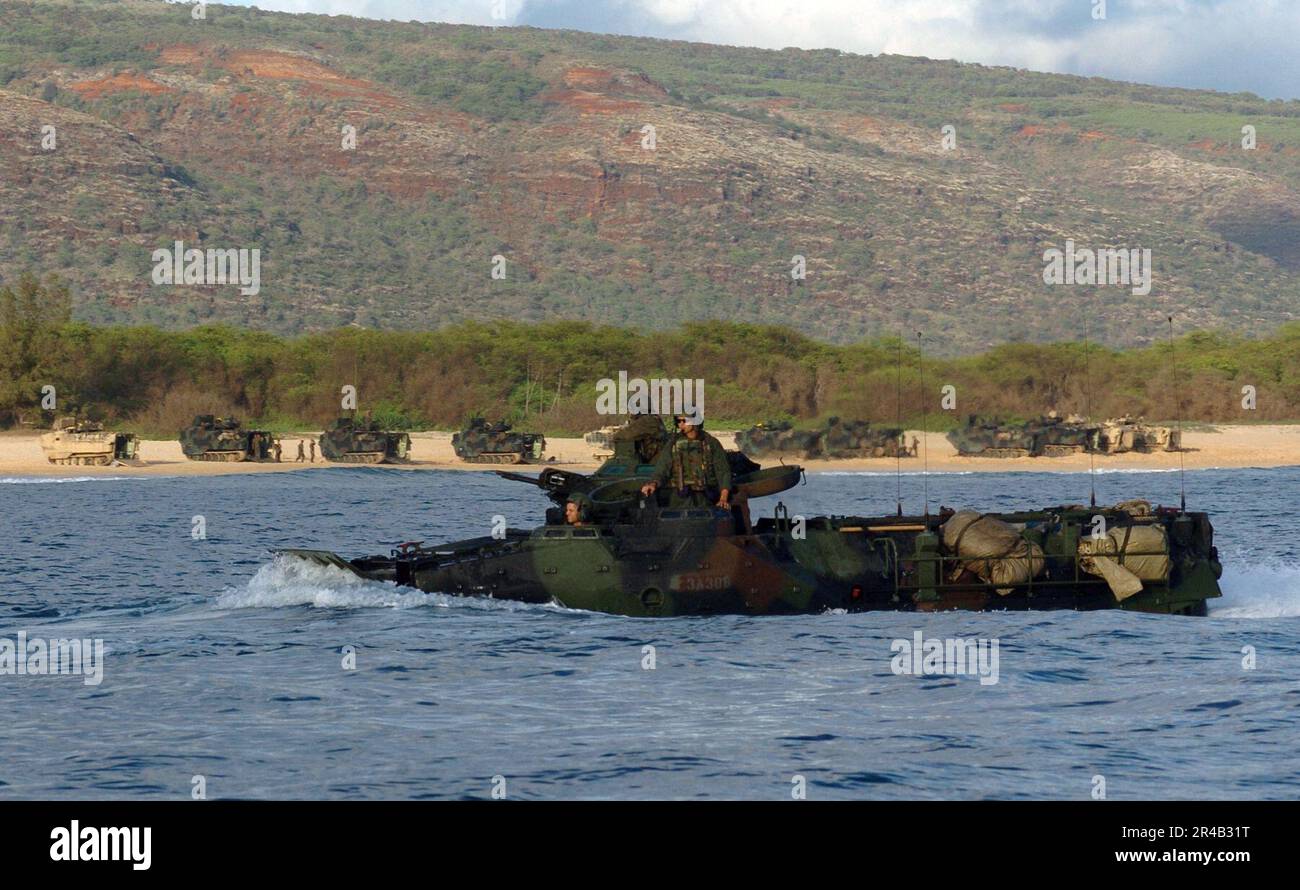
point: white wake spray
(289, 581)
(1258, 591)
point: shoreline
(1226, 447)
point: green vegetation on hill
(545, 376)
(522, 142)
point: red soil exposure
(598, 79)
(632, 139)
(1029, 130)
(1093, 134)
(283, 66)
(317, 79)
(603, 80)
(241, 102)
(181, 54)
(869, 126)
(268, 64)
(589, 103)
(1013, 107)
(118, 83)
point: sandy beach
(1225, 447)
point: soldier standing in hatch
(695, 465)
(646, 432)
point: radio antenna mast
(1178, 420)
(1087, 411)
(898, 409)
(925, 423)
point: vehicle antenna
(898, 408)
(1178, 421)
(1087, 412)
(925, 423)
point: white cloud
(1218, 44)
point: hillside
(472, 142)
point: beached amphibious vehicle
(1123, 434)
(638, 556)
(496, 443)
(1046, 436)
(212, 438)
(352, 440)
(83, 443)
(836, 439)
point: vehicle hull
(697, 562)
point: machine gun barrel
(520, 477)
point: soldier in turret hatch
(577, 510)
(695, 466)
(646, 432)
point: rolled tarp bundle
(991, 549)
(1126, 557)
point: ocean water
(223, 663)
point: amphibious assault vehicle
(353, 441)
(777, 437)
(601, 441)
(1122, 434)
(495, 443)
(223, 439)
(837, 439)
(639, 556)
(856, 438)
(83, 443)
(1047, 436)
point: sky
(1228, 45)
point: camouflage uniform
(647, 433)
(695, 471)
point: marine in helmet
(577, 510)
(695, 466)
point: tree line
(544, 376)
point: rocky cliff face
(380, 168)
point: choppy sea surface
(223, 663)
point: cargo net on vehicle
(994, 551)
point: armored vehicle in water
(355, 441)
(223, 439)
(496, 443)
(629, 554)
(1122, 434)
(1047, 436)
(83, 443)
